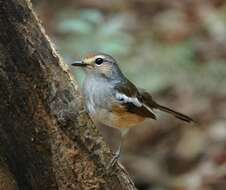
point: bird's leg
(118, 151)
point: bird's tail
(147, 100)
(174, 113)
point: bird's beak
(79, 64)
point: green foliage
(150, 63)
(88, 30)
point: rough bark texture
(47, 140)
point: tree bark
(47, 140)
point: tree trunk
(47, 140)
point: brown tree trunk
(47, 141)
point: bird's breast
(98, 94)
(103, 107)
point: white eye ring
(99, 61)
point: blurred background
(175, 49)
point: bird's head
(99, 64)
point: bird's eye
(99, 61)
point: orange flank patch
(118, 108)
(126, 119)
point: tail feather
(174, 113)
(149, 102)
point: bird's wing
(129, 99)
(147, 99)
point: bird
(113, 100)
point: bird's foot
(114, 160)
